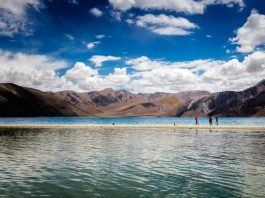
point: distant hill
(17, 101)
(27, 102)
(250, 102)
(109, 102)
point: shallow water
(131, 163)
(227, 121)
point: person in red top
(196, 120)
(210, 120)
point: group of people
(210, 120)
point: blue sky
(140, 45)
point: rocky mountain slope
(24, 102)
(27, 102)
(109, 102)
(250, 102)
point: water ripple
(131, 163)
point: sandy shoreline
(221, 127)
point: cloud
(251, 34)
(100, 36)
(80, 72)
(13, 16)
(129, 21)
(18, 7)
(228, 3)
(98, 59)
(143, 63)
(187, 6)
(87, 79)
(96, 12)
(118, 79)
(166, 25)
(91, 45)
(164, 80)
(70, 37)
(211, 75)
(40, 71)
(255, 62)
(27, 62)
(35, 70)
(116, 15)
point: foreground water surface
(131, 163)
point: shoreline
(215, 127)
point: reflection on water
(131, 163)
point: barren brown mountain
(249, 102)
(27, 102)
(21, 101)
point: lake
(226, 121)
(124, 162)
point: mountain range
(17, 101)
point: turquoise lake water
(237, 121)
(120, 162)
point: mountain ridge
(29, 102)
(249, 102)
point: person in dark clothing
(210, 120)
(196, 120)
(216, 120)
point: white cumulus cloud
(40, 71)
(87, 79)
(143, 63)
(31, 70)
(99, 59)
(166, 25)
(80, 72)
(251, 34)
(211, 75)
(255, 62)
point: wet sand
(215, 127)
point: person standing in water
(210, 120)
(196, 120)
(216, 120)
